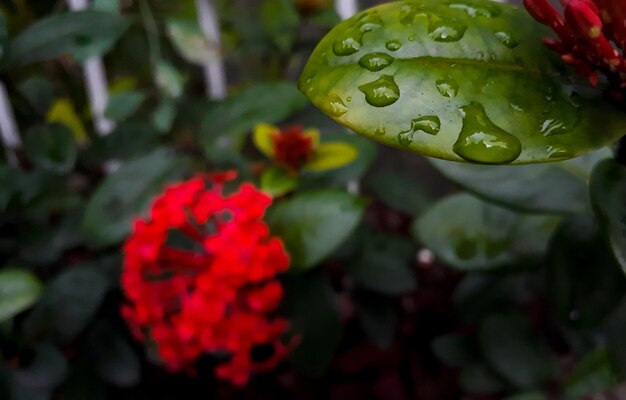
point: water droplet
(393, 45)
(408, 12)
(405, 138)
(506, 39)
(411, 38)
(430, 124)
(482, 141)
(346, 46)
(447, 87)
(349, 99)
(551, 127)
(484, 10)
(382, 92)
(446, 30)
(376, 61)
(334, 106)
(516, 106)
(559, 152)
(380, 131)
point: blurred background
(450, 286)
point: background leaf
(51, 147)
(19, 290)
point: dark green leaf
(51, 147)
(608, 194)
(514, 352)
(280, 21)
(470, 234)
(458, 80)
(163, 116)
(384, 265)
(126, 193)
(314, 224)
(584, 281)
(378, 317)
(19, 290)
(455, 350)
(129, 139)
(67, 305)
(39, 92)
(83, 34)
(557, 187)
(399, 191)
(528, 396)
(124, 104)
(479, 379)
(593, 374)
(313, 314)
(36, 380)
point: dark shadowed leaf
(584, 281)
(468, 233)
(479, 379)
(314, 224)
(514, 352)
(455, 350)
(462, 81)
(593, 374)
(314, 315)
(399, 191)
(378, 317)
(280, 21)
(608, 194)
(82, 34)
(37, 379)
(124, 104)
(51, 147)
(126, 193)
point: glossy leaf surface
(462, 80)
(608, 194)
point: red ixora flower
(199, 276)
(592, 37)
(292, 147)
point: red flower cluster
(199, 275)
(592, 37)
(292, 147)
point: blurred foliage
(401, 285)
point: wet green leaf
(608, 194)
(461, 80)
(584, 282)
(314, 224)
(468, 233)
(126, 193)
(19, 290)
(557, 187)
(82, 34)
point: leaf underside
(461, 80)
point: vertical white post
(346, 8)
(96, 81)
(8, 127)
(214, 73)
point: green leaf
(63, 112)
(459, 80)
(129, 139)
(124, 104)
(398, 190)
(582, 296)
(470, 234)
(19, 290)
(557, 187)
(262, 139)
(82, 34)
(277, 181)
(126, 193)
(593, 374)
(479, 379)
(384, 264)
(67, 305)
(514, 352)
(314, 224)
(37, 379)
(608, 195)
(280, 21)
(454, 350)
(191, 43)
(262, 103)
(331, 155)
(528, 396)
(51, 147)
(164, 115)
(312, 308)
(378, 317)
(169, 80)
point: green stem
(152, 31)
